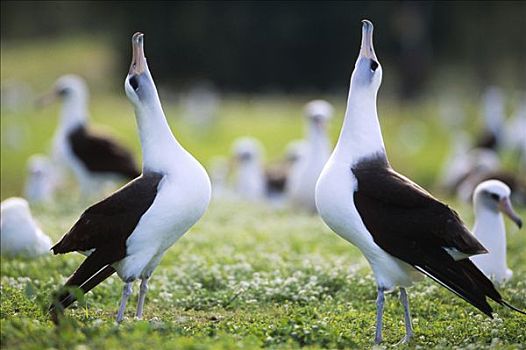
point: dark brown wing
(276, 179)
(407, 214)
(102, 154)
(488, 140)
(110, 221)
(104, 227)
(408, 223)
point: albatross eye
(494, 196)
(134, 83)
(63, 91)
(374, 65)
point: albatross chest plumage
(182, 198)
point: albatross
(302, 179)
(250, 181)
(490, 200)
(19, 233)
(130, 231)
(42, 178)
(400, 228)
(93, 157)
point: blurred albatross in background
(301, 181)
(490, 201)
(93, 157)
(19, 233)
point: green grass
(245, 276)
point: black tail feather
(464, 279)
(505, 303)
(474, 298)
(89, 274)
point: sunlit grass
(246, 276)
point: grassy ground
(245, 276)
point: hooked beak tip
(367, 25)
(506, 208)
(137, 38)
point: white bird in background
(295, 152)
(457, 164)
(94, 158)
(19, 233)
(41, 181)
(400, 228)
(464, 164)
(277, 174)
(494, 116)
(219, 168)
(491, 199)
(249, 177)
(130, 231)
(301, 182)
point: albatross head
(139, 85)
(318, 112)
(494, 195)
(367, 74)
(247, 151)
(69, 88)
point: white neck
(74, 113)
(360, 135)
(160, 149)
(494, 116)
(490, 230)
(250, 181)
(317, 138)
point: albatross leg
(126, 292)
(142, 294)
(407, 317)
(379, 314)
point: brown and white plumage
(400, 228)
(92, 156)
(130, 231)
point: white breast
(490, 231)
(180, 202)
(334, 200)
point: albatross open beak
(138, 64)
(367, 48)
(506, 208)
